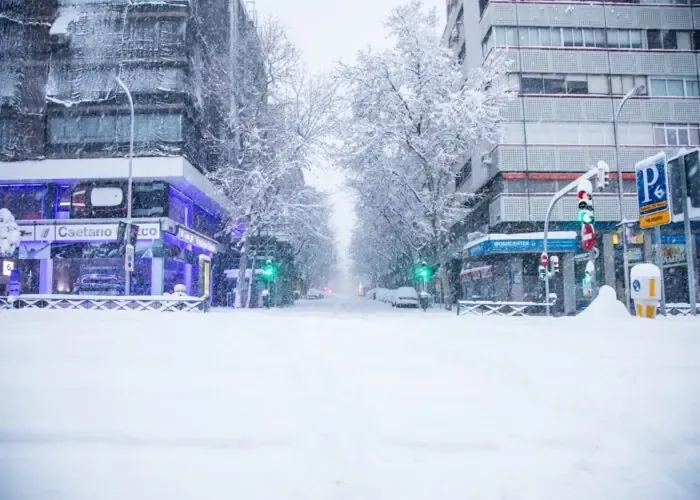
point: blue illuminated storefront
(504, 267)
(69, 244)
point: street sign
(587, 237)
(653, 192)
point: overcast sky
(327, 31)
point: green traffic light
(586, 217)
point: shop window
(204, 222)
(150, 199)
(63, 197)
(25, 202)
(180, 208)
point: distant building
(65, 132)
(571, 63)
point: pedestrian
(266, 298)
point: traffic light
(133, 234)
(121, 233)
(269, 271)
(585, 202)
(423, 271)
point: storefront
(504, 267)
(82, 257)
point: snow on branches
(415, 122)
(274, 129)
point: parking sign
(652, 191)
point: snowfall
(348, 399)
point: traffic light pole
(599, 172)
(129, 195)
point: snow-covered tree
(275, 127)
(415, 122)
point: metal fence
(106, 303)
(495, 308)
(678, 309)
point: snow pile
(346, 400)
(9, 233)
(606, 306)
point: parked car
(405, 297)
(314, 294)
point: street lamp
(634, 92)
(127, 273)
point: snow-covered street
(346, 399)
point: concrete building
(65, 133)
(571, 63)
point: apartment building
(65, 123)
(570, 64)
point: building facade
(570, 63)
(65, 131)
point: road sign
(587, 237)
(636, 285)
(652, 191)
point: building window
(624, 39)
(464, 173)
(482, 6)
(667, 40)
(673, 87)
(505, 36)
(554, 84)
(110, 129)
(621, 84)
(8, 137)
(676, 134)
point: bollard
(646, 289)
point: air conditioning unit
(486, 159)
(59, 40)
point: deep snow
(347, 400)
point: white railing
(106, 303)
(678, 309)
(496, 308)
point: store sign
(522, 246)
(102, 232)
(7, 267)
(673, 255)
(191, 238)
(84, 232)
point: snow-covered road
(346, 399)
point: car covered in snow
(314, 294)
(405, 297)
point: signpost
(653, 196)
(685, 170)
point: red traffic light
(544, 260)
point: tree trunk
(250, 283)
(243, 264)
(446, 288)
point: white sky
(326, 32)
